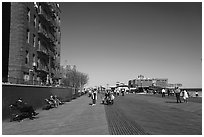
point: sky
(118, 41)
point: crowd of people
(179, 94)
(107, 96)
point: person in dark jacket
(94, 97)
(24, 107)
(177, 92)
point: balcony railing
(44, 58)
(50, 19)
(48, 42)
(48, 7)
(49, 36)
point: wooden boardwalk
(73, 118)
(157, 116)
(131, 114)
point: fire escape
(46, 33)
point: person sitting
(58, 100)
(24, 107)
(49, 104)
(53, 101)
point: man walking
(163, 92)
(94, 97)
(177, 92)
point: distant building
(141, 81)
(174, 85)
(31, 42)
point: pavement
(131, 114)
(73, 118)
(159, 116)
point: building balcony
(42, 73)
(48, 35)
(44, 57)
(47, 9)
(44, 19)
(48, 42)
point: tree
(73, 78)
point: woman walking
(185, 96)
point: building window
(35, 21)
(39, 44)
(40, 8)
(33, 58)
(57, 18)
(27, 57)
(28, 36)
(39, 25)
(38, 62)
(28, 14)
(34, 40)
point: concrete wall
(33, 95)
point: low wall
(33, 95)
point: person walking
(123, 91)
(196, 93)
(112, 98)
(177, 92)
(94, 97)
(118, 92)
(163, 92)
(168, 92)
(185, 96)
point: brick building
(31, 42)
(141, 81)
